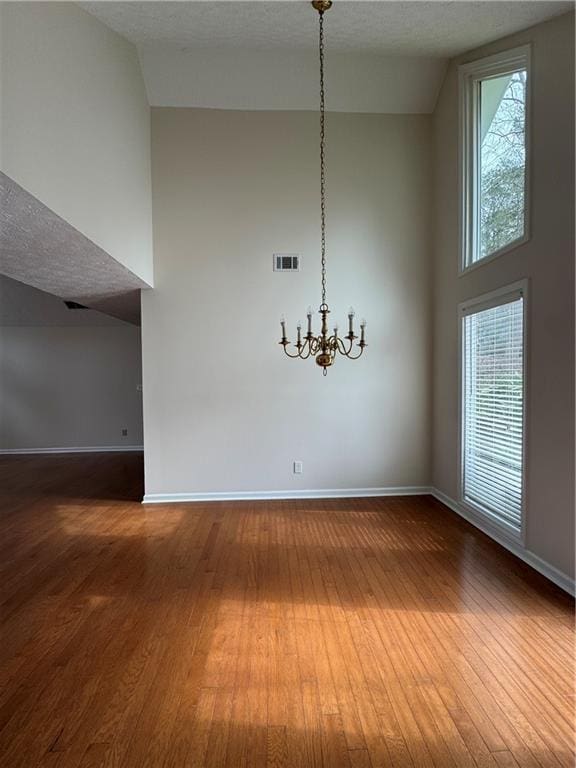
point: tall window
(494, 144)
(493, 406)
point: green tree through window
(502, 161)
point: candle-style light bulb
(362, 330)
(336, 330)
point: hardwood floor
(357, 632)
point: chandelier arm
(342, 347)
(289, 355)
(305, 352)
(332, 342)
(355, 357)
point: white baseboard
(559, 578)
(86, 449)
(324, 493)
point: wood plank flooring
(357, 632)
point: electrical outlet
(124, 433)
(298, 468)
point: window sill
(501, 252)
(515, 535)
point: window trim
(496, 298)
(469, 75)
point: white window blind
(493, 406)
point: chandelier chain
(322, 165)
(324, 346)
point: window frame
(504, 295)
(470, 75)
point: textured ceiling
(385, 27)
(40, 249)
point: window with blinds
(493, 408)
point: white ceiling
(261, 55)
(224, 79)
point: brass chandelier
(324, 347)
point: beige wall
(224, 409)
(69, 387)
(68, 378)
(75, 125)
(548, 261)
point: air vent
(286, 262)
(74, 305)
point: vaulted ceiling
(384, 56)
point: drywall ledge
(326, 493)
(41, 250)
(89, 449)
(561, 580)
(74, 116)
